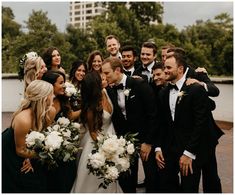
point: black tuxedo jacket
(190, 129)
(213, 91)
(140, 111)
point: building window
(88, 5)
(89, 11)
(77, 18)
(77, 13)
(77, 7)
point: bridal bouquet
(111, 156)
(74, 95)
(59, 142)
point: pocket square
(132, 96)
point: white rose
(76, 125)
(63, 121)
(97, 160)
(112, 173)
(53, 141)
(31, 55)
(127, 92)
(130, 148)
(32, 136)
(125, 163)
(66, 133)
(121, 141)
(56, 127)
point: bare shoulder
(22, 122)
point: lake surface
(12, 93)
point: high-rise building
(81, 12)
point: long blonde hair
(32, 68)
(36, 96)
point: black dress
(13, 181)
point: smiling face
(128, 59)
(159, 76)
(172, 70)
(97, 63)
(56, 58)
(112, 46)
(80, 73)
(147, 56)
(59, 86)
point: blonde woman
(32, 67)
(21, 171)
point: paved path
(224, 155)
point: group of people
(166, 102)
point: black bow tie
(142, 68)
(128, 73)
(120, 86)
(173, 86)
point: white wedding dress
(89, 183)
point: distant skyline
(180, 14)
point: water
(12, 92)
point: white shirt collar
(123, 81)
(149, 67)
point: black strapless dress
(13, 181)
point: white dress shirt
(148, 72)
(121, 96)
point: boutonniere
(181, 94)
(127, 92)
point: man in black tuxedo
(184, 141)
(134, 111)
(210, 178)
(148, 55)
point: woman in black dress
(21, 171)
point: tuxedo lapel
(166, 101)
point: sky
(178, 13)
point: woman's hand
(26, 166)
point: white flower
(121, 141)
(56, 127)
(32, 136)
(67, 133)
(70, 89)
(31, 55)
(181, 94)
(97, 160)
(130, 148)
(76, 125)
(125, 163)
(53, 141)
(112, 173)
(63, 121)
(110, 146)
(127, 92)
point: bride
(96, 117)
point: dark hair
(150, 45)
(158, 65)
(114, 63)
(129, 48)
(91, 58)
(51, 76)
(179, 55)
(47, 56)
(91, 93)
(75, 66)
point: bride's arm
(91, 125)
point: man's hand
(144, 151)
(201, 69)
(185, 163)
(160, 159)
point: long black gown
(13, 181)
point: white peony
(130, 148)
(31, 54)
(67, 133)
(110, 146)
(97, 160)
(53, 141)
(76, 125)
(56, 127)
(121, 141)
(32, 136)
(112, 173)
(70, 89)
(125, 163)
(63, 121)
